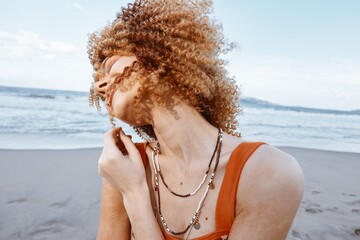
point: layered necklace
(194, 221)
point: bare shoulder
(270, 190)
(271, 172)
(268, 172)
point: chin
(124, 118)
(128, 118)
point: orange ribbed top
(226, 202)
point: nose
(101, 87)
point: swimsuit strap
(226, 203)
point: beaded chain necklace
(194, 222)
(157, 165)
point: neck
(185, 138)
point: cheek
(118, 104)
(123, 102)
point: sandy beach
(55, 194)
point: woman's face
(122, 102)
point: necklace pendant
(197, 225)
(211, 185)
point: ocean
(54, 119)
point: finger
(119, 144)
(115, 132)
(112, 139)
(110, 134)
(113, 136)
(130, 146)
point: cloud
(324, 83)
(75, 6)
(25, 46)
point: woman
(157, 67)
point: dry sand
(49, 194)
(331, 205)
(54, 194)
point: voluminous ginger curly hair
(177, 45)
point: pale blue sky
(290, 52)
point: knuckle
(102, 162)
(100, 170)
(106, 163)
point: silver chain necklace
(194, 221)
(157, 165)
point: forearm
(114, 222)
(141, 215)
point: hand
(120, 162)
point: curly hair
(178, 46)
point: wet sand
(55, 194)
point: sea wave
(45, 116)
(85, 111)
(39, 96)
(289, 126)
(50, 131)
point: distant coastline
(56, 119)
(246, 100)
(250, 101)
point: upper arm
(114, 222)
(269, 194)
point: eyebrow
(103, 64)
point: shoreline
(100, 147)
(55, 194)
